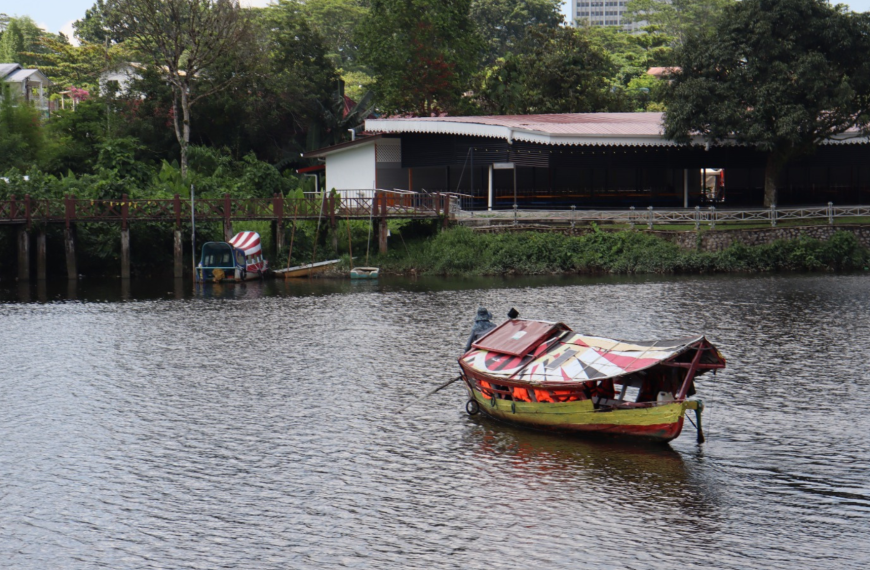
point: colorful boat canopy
(573, 357)
(249, 242)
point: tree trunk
(771, 171)
(182, 132)
(185, 130)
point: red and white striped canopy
(249, 242)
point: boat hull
(660, 423)
(364, 273)
(307, 270)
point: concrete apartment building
(601, 13)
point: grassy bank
(460, 251)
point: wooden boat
(364, 273)
(306, 270)
(544, 375)
(240, 259)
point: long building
(587, 160)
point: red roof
(517, 337)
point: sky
(58, 15)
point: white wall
(353, 168)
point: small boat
(364, 273)
(240, 259)
(306, 270)
(544, 375)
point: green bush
(461, 251)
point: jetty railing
(344, 204)
(649, 216)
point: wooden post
(228, 221)
(40, 255)
(125, 239)
(332, 223)
(278, 223)
(69, 245)
(177, 246)
(382, 224)
(489, 192)
(178, 256)
(23, 254)
(446, 221)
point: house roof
(569, 129)
(22, 75)
(557, 129)
(7, 68)
(322, 152)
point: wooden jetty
(380, 206)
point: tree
(780, 75)
(556, 70)
(21, 37)
(80, 66)
(504, 23)
(678, 18)
(422, 53)
(336, 21)
(183, 39)
(95, 26)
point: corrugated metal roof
(7, 68)
(570, 129)
(25, 74)
(567, 128)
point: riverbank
(462, 251)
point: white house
(30, 84)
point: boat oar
(441, 387)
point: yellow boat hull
(659, 423)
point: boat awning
(577, 358)
(517, 337)
(249, 242)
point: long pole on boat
(192, 238)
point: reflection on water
(280, 425)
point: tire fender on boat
(472, 408)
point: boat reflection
(612, 472)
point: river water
(282, 426)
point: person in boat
(482, 325)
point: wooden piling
(125, 254)
(69, 247)
(383, 229)
(40, 255)
(23, 254)
(125, 238)
(228, 221)
(177, 256)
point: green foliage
(678, 18)
(95, 26)
(460, 251)
(557, 70)
(632, 55)
(422, 54)
(78, 66)
(336, 21)
(780, 75)
(21, 132)
(20, 42)
(503, 23)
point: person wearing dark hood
(482, 325)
